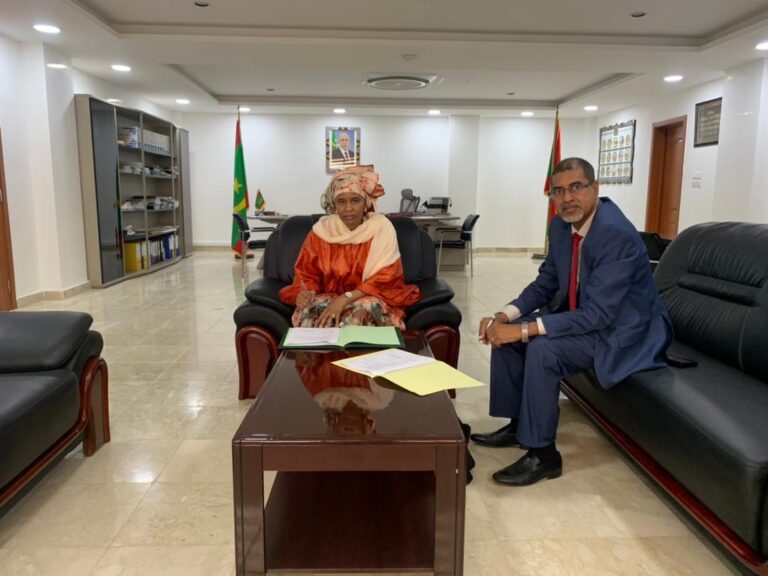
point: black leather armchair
(53, 393)
(702, 432)
(262, 319)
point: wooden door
(7, 284)
(666, 177)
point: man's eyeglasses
(574, 188)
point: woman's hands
(332, 313)
(304, 298)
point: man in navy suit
(606, 315)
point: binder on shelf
(135, 256)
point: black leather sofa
(262, 319)
(702, 432)
(53, 393)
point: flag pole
(554, 159)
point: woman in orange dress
(349, 270)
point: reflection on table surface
(349, 400)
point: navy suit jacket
(618, 299)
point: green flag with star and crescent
(240, 205)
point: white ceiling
(311, 55)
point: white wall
(696, 204)
(514, 155)
(37, 119)
(17, 158)
(285, 158)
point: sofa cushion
(706, 426)
(714, 280)
(36, 409)
(32, 341)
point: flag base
(250, 256)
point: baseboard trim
(53, 294)
(506, 250)
(211, 248)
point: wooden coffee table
(369, 478)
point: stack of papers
(418, 374)
(349, 336)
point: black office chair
(409, 202)
(245, 236)
(655, 246)
(464, 240)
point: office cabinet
(133, 203)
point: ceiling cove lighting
(339, 111)
(114, 100)
(762, 46)
(590, 108)
(47, 28)
(434, 112)
(240, 109)
(121, 68)
(526, 114)
(671, 79)
(183, 101)
(57, 66)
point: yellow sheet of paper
(422, 380)
(430, 378)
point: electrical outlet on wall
(696, 180)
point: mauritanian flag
(554, 158)
(259, 203)
(240, 205)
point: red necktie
(573, 284)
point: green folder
(347, 337)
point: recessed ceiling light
(638, 14)
(510, 93)
(590, 108)
(114, 100)
(240, 109)
(57, 66)
(526, 114)
(270, 89)
(673, 78)
(762, 46)
(434, 112)
(121, 68)
(47, 28)
(339, 111)
(182, 101)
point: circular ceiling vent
(398, 82)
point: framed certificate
(617, 153)
(707, 131)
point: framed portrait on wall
(342, 148)
(617, 153)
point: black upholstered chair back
(283, 247)
(654, 245)
(714, 280)
(468, 227)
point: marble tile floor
(157, 500)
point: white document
(307, 336)
(380, 363)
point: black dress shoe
(504, 436)
(529, 470)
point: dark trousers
(525, 382)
